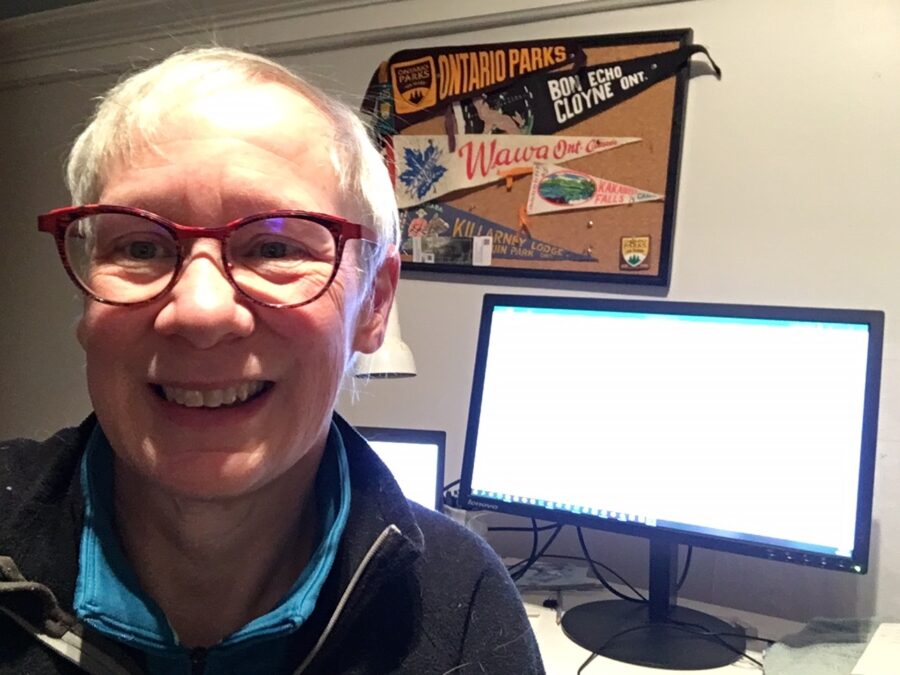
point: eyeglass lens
(126, 258)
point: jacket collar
(365, 575)
(45, 529)
(376, 494)
(46, 525)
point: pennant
(556, 188)
(425, 168)
(445, 223)
(548, 103)
(425, 81)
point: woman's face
(159, 373)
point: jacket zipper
(198, 661)
(388, 532)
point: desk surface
(563, 657)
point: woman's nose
(203, 307)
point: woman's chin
(205, 475)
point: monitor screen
(416, 459)
(740, 428)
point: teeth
(213, 398)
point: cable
(518, 570)
(587, 662)
(599, 564)
(688, 628)
(531, 556)
(681, 580)
(768, 641)
(611, 638)
(449, 497)
(687, 566)
(522, 529)
(541, 552)
(719, 637)
(590, 561)
(519, 573)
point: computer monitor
(415, 457)
(737, 428)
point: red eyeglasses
(126, 256)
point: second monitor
(415, 457)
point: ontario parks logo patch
(414, 85)
(633, 253)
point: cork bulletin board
(550, 158)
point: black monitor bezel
(858, 562)
(418, 436)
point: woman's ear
(371, 323)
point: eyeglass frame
(57, 221)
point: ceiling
(12, 8)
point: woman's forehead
(270, 116)
(253, 109)
(224, 179)
(282, 158)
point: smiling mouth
(228, 397)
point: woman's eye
(279, 249)
(274, 249)
(142, 250)
(132, 249)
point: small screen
(415, 458)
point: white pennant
(556, 188)
(425, 168)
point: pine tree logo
(634, 253)
(414, 85)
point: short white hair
(129, 115)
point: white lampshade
(393, 359)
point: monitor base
(622, 630)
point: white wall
(789, 174)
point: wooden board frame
(656, 115)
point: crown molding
(110, 37)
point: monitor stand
(649, 634)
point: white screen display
(415, 467)
(747, 428)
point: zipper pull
(198, 660)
